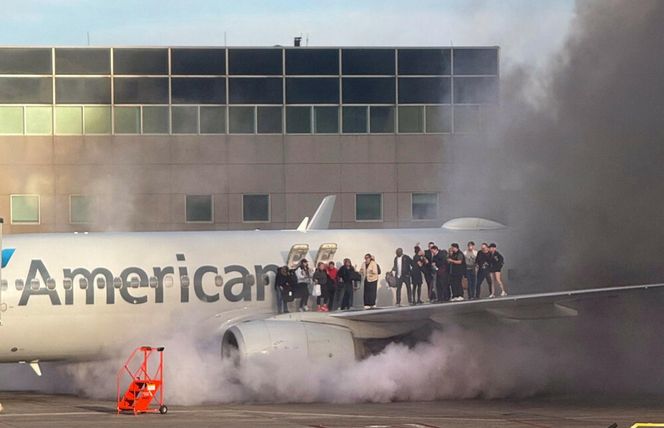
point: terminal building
(214, 138)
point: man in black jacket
(482, 261)
(441, 269)
(457, 262)
(430, 273)
(401, 271)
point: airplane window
(19, 284)
(101, 282)
(134, 282)
(34, 284)
(218, 281)
(67, 283)
(184, 281)
(117, 282)
(168, 281)
(50, 284)
(154, 282)
(83, 283)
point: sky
(528, 31)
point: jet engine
(313, 340)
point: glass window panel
(466, 118)
(255, 91)
(475, 90)
(26, 90)
(141, 90)
(317, 90)
(326, 120)
(11, 120)
(68, 120)
(82, 61)
(424, 90)
(424, 61)
(241, 120)
(439, 119)
(140, 61)
(39, 120)
(83, 90)
(25, 209)
(476, 61)
(354, 120)
(80, 209)
(312, 61)
(298, 120)
(374, 90)
(25, 61)
(127, 120)
(213, 120)
(381, 119)
(199, 208)
(367, 61)
(202, 90)
(424, 206)
(254, 61)
(198, 61)
(97, 120)
(184, 120)
(155, 120)
(368, 206)
(269, 120)
(411, 119)
(256, 207)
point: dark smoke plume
(579, 167)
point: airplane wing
(521, 307)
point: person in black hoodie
(496, 262)
(441, 268)
(282, 287)
(457, 263)
(482, 262)
(347, 276)
(416, 271)
(430, 273)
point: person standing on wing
(471, 270)
(369, 270)
(496, 262)
(401, 270)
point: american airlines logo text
(237, 288)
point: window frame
(269, 208)
(11, 209)
(187, 221)
(382, 214)
(71, 221)
(412, 217)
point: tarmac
(27, 409)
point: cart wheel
(163, 409)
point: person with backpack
(371, 272)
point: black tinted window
(140, 61)
(475, 61)
(368, 61)
(424, 61)
(367, 90)
(316, 90)
(82, 61)
(424, 90)
(141, 90)
(475, 90)
(312, 61)
(26, 90)
(83, 90)
(198, 61)
(25, 61)
(204, 90)
(254, 61)
(255, 91)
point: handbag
(391, 279)
(316, 291)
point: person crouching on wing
(320, 287)
(282, 287)
(369, 270)
(303, 274)
(496, 262)
(346, 276)
(332, 283)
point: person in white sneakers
(496, 262)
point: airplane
(84, 296)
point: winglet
(323, 215)
(303, 226)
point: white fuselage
(75, 323)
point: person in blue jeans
(471, 269)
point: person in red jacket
(331, 286)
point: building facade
(234, 138)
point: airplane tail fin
(323, 215)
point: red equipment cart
(145, 393)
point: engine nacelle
(315, 341)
